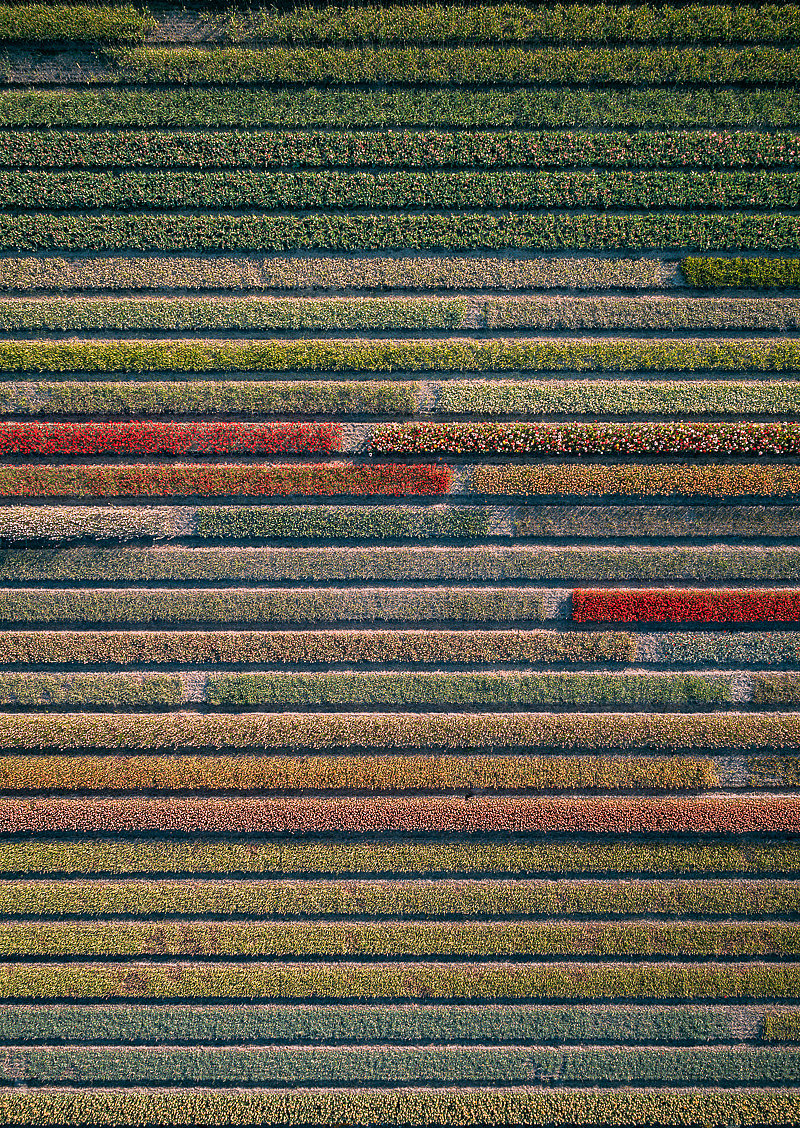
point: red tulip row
(685, 605)
(149, 437)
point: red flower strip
(148, 437)
(587, 438)
(701, 815)
(685, 605)
(327, 479)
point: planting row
(63, 22)
(439, 731)
(695, 149)
(402, 272)
(352, 522)
(486, 397)
(363, 773)
(676, 605)
(708, 481)
(628, 313)
(429, 688)
(250, 1024)
(397, 1106)
(552, 438)
(420, 856)
(379, 355)
(167, 231)
(148, 437)
(462, 66)
(325, 1065)
(395, 939)
(330, 478)
(743, 273)
(442, 898)
(299, 191)
(317, 107)
(93, 565)
(706, 815)
(403, 24)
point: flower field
(399, 565)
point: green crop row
(636, 313)
(456, 354)
(463, 66)
(290, 605)
(56, 22)
(712, 648)
(433, 688)
(513, 1105)
(673, 521)
(442, 898)
(599, 23)
(392, 1065)
(580, 479)
(394, 939)
(351, 522)
(432, 149)
(126, 1024)
(604, 397)
(208, 397)
(774, 771)
(743, 273)
(111, 690)
(446, 731)
(22, 523)
(371, 774)
(167, 231)
(776, 688)
(299, 191)
(310, 107)
(397, 980)
(238, 313)
(781, 1026)
(297, 647)
(425, 857)
(85, 564)
(402, 272)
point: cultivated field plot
(400, 571)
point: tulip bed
(400, 565)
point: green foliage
(62, 22)
(743, 273)
(349, 522)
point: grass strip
(671, 521)
(245, 479)
(55, 523)
(585, 438)
(445, 731)
(403, 24)
(385, 773)
(111, 690)
(350, 522)
(781, 1026)
(128, 190)
(425, 981)
(228, 605)
(685, 606)
(381, 355)
(372, 1065)
(309, 107)
(746, 648)
(401, 272)
(343, 1023)
(319, 646)
(222, 231)
(147, 437)
(392, 857)
(169, 562)
(467, 66)
(437, 688)
(429, 149)
(723, 481)
(497, 898)
(394, 939)
(743, 273)
(652, 312)
(61, 22)
(184, 314)
(603, 397)
(208, 397)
